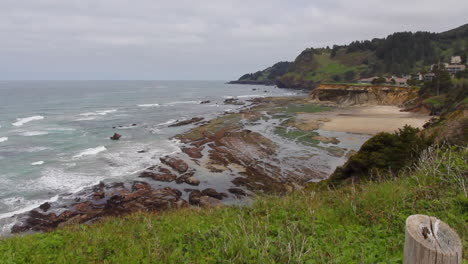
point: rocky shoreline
(263, 148)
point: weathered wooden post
(429, 240)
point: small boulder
(233, 101)
(45, 206)
(192, 181)
(213, 193)
(207, 201)
(237, 191)
(116, 136)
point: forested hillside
(398, 54)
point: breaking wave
(90, 152)
(22, 121)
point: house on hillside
(455, 60)
(429, 76)
(418, 76)
(454, 68)
(397, 80)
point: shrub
(383, 152)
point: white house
(455, 60)
(454, 68)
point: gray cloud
(203, 39)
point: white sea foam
(35, 149)
(171, 121)
(99, 113)
(126, 161)
(86, 119)
(63, 180)
(148, 105)
(3, 139)
(90, 152)
(22, 121)
(182, 102)
(60, 129)
(28, 205)
(37, 163)
(34, 133)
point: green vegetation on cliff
(359, 223)
(399, 53)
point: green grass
(327, 68)
(359, 223)
(436, 101)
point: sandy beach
(365, 120)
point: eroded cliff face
(346, 95)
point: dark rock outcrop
(162, 174)
(237, 191)
(175, 163)
(233, 101)
(197, 197)
(194, 153)
(187, 122)
(106, 200)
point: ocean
(54, 135)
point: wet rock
(163, 175)
(326, 140)
(194, 197)
(187, 122)
(240, 181)
(194, 153)
(177, 164)
(192, 181)
(45, 206)
(141, 197)
(116, 136)
(98, 195)
(237, 191)
(233, 101)
(213, 193)
(207, 201)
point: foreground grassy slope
(362, 223)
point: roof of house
(460, 66)
(370, 79)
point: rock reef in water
(104, 200)
(187, 122)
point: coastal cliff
(348, 94)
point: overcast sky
(197, 39)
